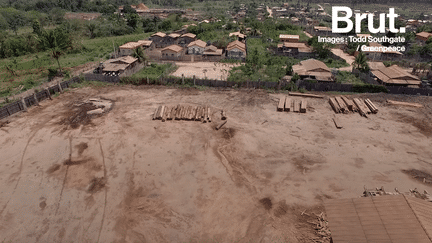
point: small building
(313, 69)
(196, 47)
(376, 52)
(396, 76)
(422, 37)
(146, 44)
(236, 50)
(115, 67)
(186, 39)
(322, 30)
(294, 49)
(212, 50)
(158, 39)
(172, 39)
(289, 38)
(240, 36)
(129, 48)
(172, 52)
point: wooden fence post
(48, 93)
(182, 79)
(194, 79)
(59, 86)
(24, 104)
(7, 110)
(35, 98)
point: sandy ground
(183, 181)
(210, 70)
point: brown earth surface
(122, 177)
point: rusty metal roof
(391, 218)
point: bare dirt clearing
(209, 70)
(122, 177)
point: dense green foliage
(347, 77)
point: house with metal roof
(384, 219)
(395, 76)
(117, 66)
(236, 50)
(129, 48)
(289, 38)
(422, 37)
(173, 52)
(158, 39)
(294, 49)
(186, 39)
(313, 69)
(196, 47)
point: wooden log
(349, 103)
(204, 120)
(223, 115)
(371, 106)
(161, 113)
(202, 113)
(306, 95)
(177, 113)
(281, 104)
(303, 106)
(342, 105)
(155, 113)
(197, 115)
(183, 117)
(296, 107)
(337, 123)
(334, 105)
(360, 107)
(172, 113)
(158, 113)
(165, 114)
(288, 104)
(365, 107)
(192, 113)
(393, 102)
(220, 125)
(209, 115)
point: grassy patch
(332, 63)
(31, 70)
(346, 77)
(154, 71)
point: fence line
(310, 85)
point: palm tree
(56, 41)
(139, 54)
(360, 63)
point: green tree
(56, 41)
(37, 28)
(91, 27)
(360, 63)
(139, 54)
(14, 18)
(132, 20)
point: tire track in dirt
(106, 191)
(20, 170)
(64, 180)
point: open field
(183, 181)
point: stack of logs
(183, 112)
(286, 104)
(345, 105)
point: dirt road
(124, 178)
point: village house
(196, 47)
(212, 50)
(172, 39)
(298, 50)
(422, 37)
(322, 31)
(173, 52)
(240, 36)
(146, 44)
(236, 50)
(129, 48)
(186, 39)
(289, 38)
(396, 76)
(313, 69)
(116, 67)
(158, 39)
(379, 54)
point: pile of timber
(342, 104)
(286, 104)
(183, 112)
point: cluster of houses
(291, 46)
(174, 46)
